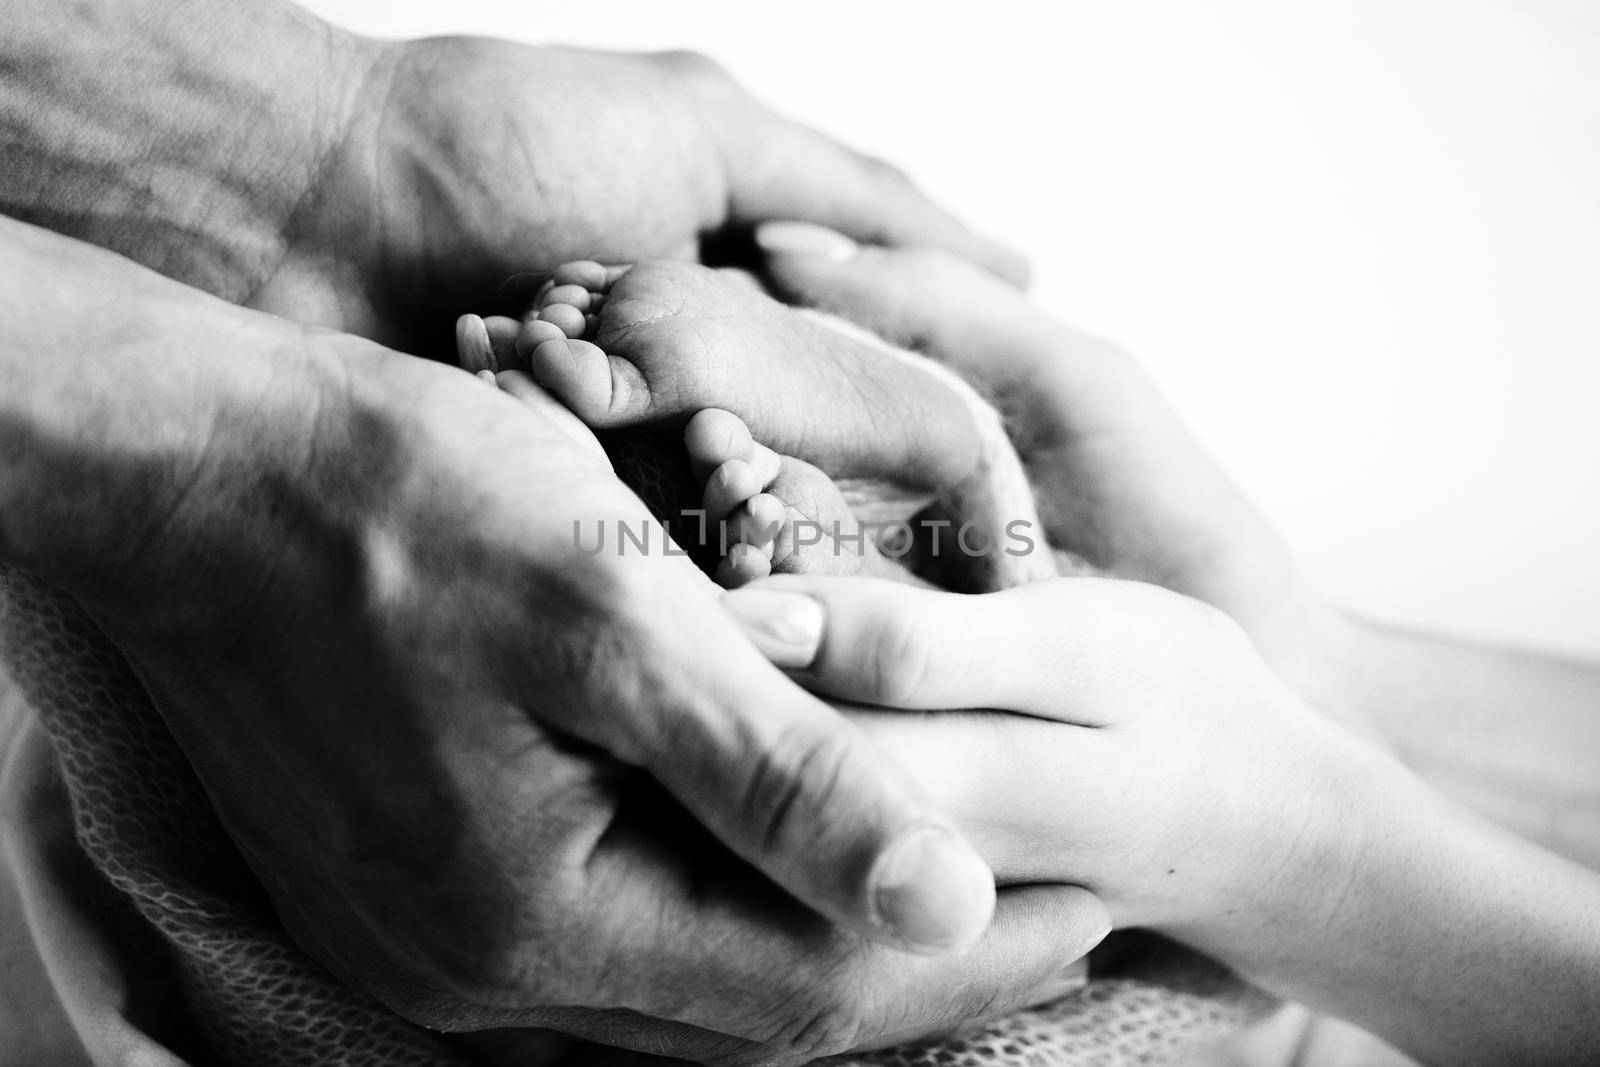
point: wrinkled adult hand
(385, 187)
(468, 159)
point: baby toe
(534, 333)
(572, 295)
(759, 522)
(602, 390)
(713, 437)
(584, 273)
(743, 564)
(729, 486)
(571, 321)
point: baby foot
(663, 340)
(666, 339)
(775, 514)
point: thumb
(895, 645)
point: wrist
(432, 134)
(1342, 802)
(192, 150)
(127, 401)
(1324, 656)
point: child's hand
(1152, 757)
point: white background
(1358, 244)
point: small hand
(1152, 757)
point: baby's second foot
(774, 514)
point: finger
(899, 646)
(779, 777)
(1027, 792)
(938, 304)
(788, 171)
(474, 351)
(502, 333)
(921, 298)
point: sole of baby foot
(773, 514)
(665, 339)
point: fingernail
(804, 239)
(1068, 980)
(473, 350)
(1092, 941)
(932, 891)
(786, 627)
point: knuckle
(690, 64)
(884, 172)
(902, 660)
(493, 960)
(800, 774)
(982, 1003)
(929, 266)
(825, 1024)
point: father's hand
(474, 158)
(448, 739)
(383, 188)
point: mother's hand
(1152, 757)
(1164, 766)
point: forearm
(1513, 736)
(117, 387)
(183, 134)
(1454, 939)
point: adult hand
(1155, 759)
(475, 158)
(383, 188)
(1122, 483)
(1152, 757)
(441, 731)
